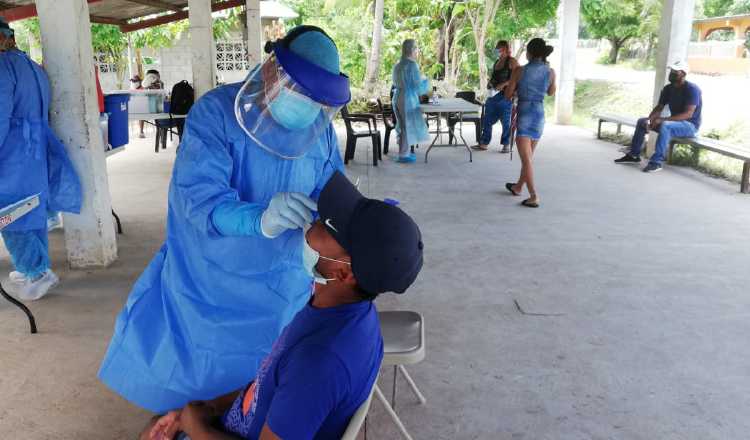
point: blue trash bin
(117, 106)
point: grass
(593, 96)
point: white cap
(680, 65)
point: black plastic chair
(389, 121)
(352, 134)
(476, 119)
(164, 127)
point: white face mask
(310, 258)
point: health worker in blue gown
(32, 161)
(250, 167)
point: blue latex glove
(287, 211)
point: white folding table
(8, 215)
(444, 107)
(153, 116)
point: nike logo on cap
(328, 223)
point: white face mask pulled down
(310, 258)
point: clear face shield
(287, 103)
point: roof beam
(159, 4)
(169, 18)
(108, 20)
(25, 11)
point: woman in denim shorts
(531, 82)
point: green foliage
(614, 20)
(720, 8)
(716, 8)
(349, 22)
(27, 33)
(110, 41)
(740, 7)
(159, 36)
(223, 25)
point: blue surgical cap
(317, 48)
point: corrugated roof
(131, 15)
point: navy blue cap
(5, 28)
(384, 243)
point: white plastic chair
(358, 419)
(403, 344)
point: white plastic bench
(615, 119)
(723, 148)
(734, 151)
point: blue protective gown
(32, 158)
(409, 85)
(207, 309)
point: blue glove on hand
(287, 211)
(236, 219)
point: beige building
(712, 56)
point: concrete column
(566, 76)
(674, 37)
(254, 33)
(202, 46)
(68, 59)
(130, 61)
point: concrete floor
(640, 283)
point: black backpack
(183, 96)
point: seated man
(324, 364)
(684, 101)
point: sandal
(479, 147)
(530, 204)
(509, 187)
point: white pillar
(566, 75)
(674, 37)
(202, 45)
(254, 33)
(68, 59)
(130, 61)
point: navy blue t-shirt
(319, 371)
(678, 98)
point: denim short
(530, 119)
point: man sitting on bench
(684, 101)
(324, 364)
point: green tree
(111, 42)
(373, 62)
(717, 8)
(481, 14)
(615, 20)
(156, 37)
(740, 7)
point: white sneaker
(36, 289)
(505, 149)
(54, 222)
(16, 277)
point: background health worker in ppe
(32, 161)
(229, 277)
(409, 84)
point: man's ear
(346, 276)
